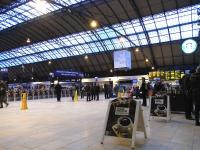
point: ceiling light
(93, 24)
(147, 60)
(111, 70)
(32, 78)
(86, 57)
(121, 39)
(69, 10)
(49, 62)
(152, 68)
(137, 50)
(28, 40)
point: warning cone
(24, 101)
(119, 95)
(76, 96)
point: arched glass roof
(164, 27)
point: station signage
(62, 73)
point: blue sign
(62, 73)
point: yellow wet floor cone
(76, 96)
(24, 101)
(119, 95)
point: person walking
(144, 90)
(3, 94)
(195, 88)
(58, 89)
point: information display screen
(166, 75)
(122, 59)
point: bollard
(24, 101)
(76, 96)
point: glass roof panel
(31, 10)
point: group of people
(190, 84)
(3, 98)
(91, 90)
(145, 88)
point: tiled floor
(49, 125)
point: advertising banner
(160, 106)
(124, 117)
(121, 118)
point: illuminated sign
(62, 73)
(189, 46)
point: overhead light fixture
(49, 62)
(111, 70)
(121, 39)
(86, 57)
(32, 78)
(146, 60)
(28, 40)
(137, 50)
(69, 10)
(152, 68)
(93, 24)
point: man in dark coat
(195, 88)
(93, 91)
(186, 87)
(144, 90)
(106, 91)
(58, 89)
(3, 94)
(88, 91)
(97, 91)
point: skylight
(31, 10)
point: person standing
(144, 90)
(87, 89)
(186, 86)
(82, 91)
(3, 94)
(58, 89)
(73, 90)
(106, 91)
(97, 91)
(195, 88)
(93, 92)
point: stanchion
(76, 96)
(24, 101)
